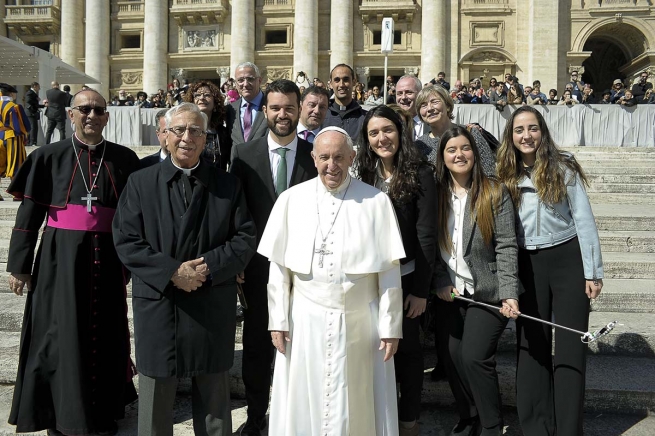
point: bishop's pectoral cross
(321, 253)
(88, 199)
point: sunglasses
(86, 110)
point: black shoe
(494, 431)
(466, 427)
(253, 427)
(110, 430)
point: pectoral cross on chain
(88, 199)
(321, 253)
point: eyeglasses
(206, 96)
(86, 110)
(248, 79)
(179, 131)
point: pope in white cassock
(334, 300)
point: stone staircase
(621, 367)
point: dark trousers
(408, 363)
(258, 350)
(210, 402)
(470, 335)
(34, 129)
(61, 126)
(550, 391)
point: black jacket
(57, 101)
(350, 120)
(417, 220)
(250, 163)
(179, 333)
(32, 103)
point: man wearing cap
(56, 112)
(335, 241)
(266, 167)
(14, 126)
(74, 369)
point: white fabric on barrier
(596, 125)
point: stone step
(582, 150)
(626, 296)
(621, 198)
(622, 178)
(629, 265)
(624, 217)
(633, 188)
(618, 170)
(614, 384)
(633, 242)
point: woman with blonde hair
(560, 267)
(435, 107)
(478, 260)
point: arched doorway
(485, 63)
(617, 52)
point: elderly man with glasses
(244, 117)
(74, 370)
(183, 230)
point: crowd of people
(334, 226)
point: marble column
(71, 49)
(97, 44)
(545, 57)
(305, 38)
(433, 39)
(155, 46)
(3, 14)
(243, 33)
(341, 33)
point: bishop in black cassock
(74, 372)
(184, 231)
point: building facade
(144, 44)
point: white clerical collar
(91, 147)
(272, 145)
(186, 171)
(323, 189)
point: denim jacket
(540, 225)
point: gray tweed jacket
(494, 267)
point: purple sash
(75, 217)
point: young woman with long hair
(560, 267)
(388, 160)
(478, 259)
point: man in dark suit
(183, 229)
(266, 167)
(32, 106)
(244, 117)
(407, 90)
(56, 112)
(161, 155)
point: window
(377, 37)
(276, 37)
(131, 41)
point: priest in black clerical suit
(74, 370)
(183, 229)
(257, 165)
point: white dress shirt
(460, 275)
(274, 157)
(301, 132)
(418, 127)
